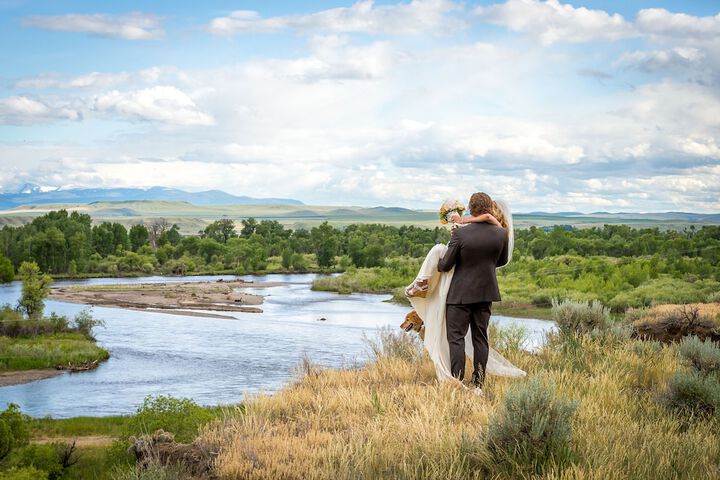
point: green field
(191, 218)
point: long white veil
(509, 219)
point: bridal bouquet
(448, 208)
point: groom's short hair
(480, 203)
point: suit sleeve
(448, 261)
(503, 259)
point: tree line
(67, 243)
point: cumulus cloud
(649, 61)
(133, 26)
(24, 110)
(418, 16)
(551, 21)
(660, 22)
(331, 58)
(161, 103)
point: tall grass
(391, 419)
(47, 351)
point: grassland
(191, 218)
(391, 420)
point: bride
(428, 294)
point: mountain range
(31, 194)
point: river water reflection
(213, 361)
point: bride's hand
(455, 218)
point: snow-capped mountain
(29, 188)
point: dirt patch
(168, 297)
(27, 376)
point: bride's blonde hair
(497, 212)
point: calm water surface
(213, 361)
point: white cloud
(418, 16)
(660, 22)
(88, 81)
(331, 58)
(551, 21)
(165, 104)
(133, 26)
(24, 110)
(678, 58)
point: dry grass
(392, 420)
(706, 310)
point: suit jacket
(475, 251)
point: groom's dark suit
(475, 251)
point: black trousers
(459, 317)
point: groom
(475, 251)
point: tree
(35, 288)
(139, 236)
(249, 227)
(171, 236)
(7, 271)
(325, 243)
(220, 230)
(156, 228)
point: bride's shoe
(418, 288)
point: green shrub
(703, 356)
(181, 416)
(6, 439)
(18, 423)
(692, 392)
(533, 427)
(27, 473)
(511, 338)
(580, 316)
(396, 344)
(40, 456)
(85, 322)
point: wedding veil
(508, 218)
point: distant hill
(192, 217)
(31, 194)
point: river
(213, 361)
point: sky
(583, 106)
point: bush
(181, 416)
(27, 473)
(703, 356)
(6, 439)
(85, 322)
(533, 428)
(580, 317)
(17, 423)
(42, 457)
(692, 392)
(394, 344)
(512, 338)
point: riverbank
(181, 297)
(27, 359)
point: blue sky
(589, 105)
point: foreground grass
(392, 420)
(47, 351)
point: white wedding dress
(431, 310)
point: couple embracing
(455, 288)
